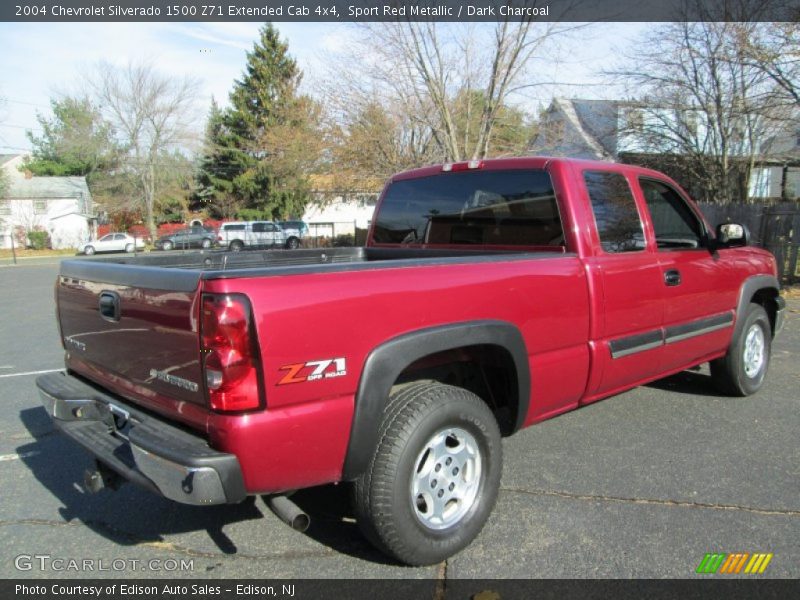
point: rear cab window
(513, 207)
(619, 225)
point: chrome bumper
(153, 453)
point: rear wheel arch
(385, 365)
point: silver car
(112, 242)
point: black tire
(89, 250)
(236, 246)
(128, 248)
(167, 246)
(739, 373)
(292, 243)
(206, 243)
(387, 507)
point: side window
(675, 225)
(259, 227)
(615, 213)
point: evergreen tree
(242, 166)
(76, 141)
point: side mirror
(732, 235)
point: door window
(675, 224)
(618, 224)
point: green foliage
(39, 240)
(252, 214)
(242, 167)
(75, 141)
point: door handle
(672, 277)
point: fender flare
(750, 286)
(386, 362)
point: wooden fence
(775, 227)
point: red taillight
(229, 353)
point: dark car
(191, 237)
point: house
(618, 131)
(331, 214)
(62, 206)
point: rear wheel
(206, 243)
(742, 370)
(236, 246)
(167, 245)
(89, 250)
(292, 243)
(433, 481)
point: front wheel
(434, 479)
(292, 243)
(206, 244)
(742, 370)
(236, 246)
(129, 248)
(167, 246)
(89, 250)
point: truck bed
(182, 272)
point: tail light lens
(230, 355)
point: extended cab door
(627, 284)
(699, 292)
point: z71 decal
(313, 370)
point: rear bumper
(146, 450)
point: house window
(634, 119)
(5, 208)
(39, 207)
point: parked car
(491, 295)
(238, 235)
(295, 232)
(112, 242)
(191, 237)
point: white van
(237, 235)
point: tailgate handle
(109, 306)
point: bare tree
(699, 104)
(774, 50)
(444, 86)
(153, 116)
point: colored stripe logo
(732, 564)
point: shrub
(39, 240)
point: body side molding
(386, 362)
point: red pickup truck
(489, 296)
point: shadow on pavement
(132, 515)
(688, 382)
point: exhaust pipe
(100, 478)
(288, 512)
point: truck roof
(523, 162)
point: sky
(44, 60)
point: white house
(62, 206)
(333, 214)
(616, 130)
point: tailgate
(134, 327)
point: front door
(699, 293)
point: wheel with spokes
(742, 370)
(433, 481)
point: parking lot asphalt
(640, 485)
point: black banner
(462, 589)
(399, 10)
